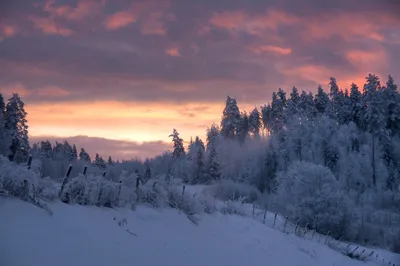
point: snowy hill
(83, 235)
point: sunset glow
(134, 70)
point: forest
(330, 159)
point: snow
(81, 235)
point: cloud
(117, 149)
(84, 8)
(49, 26)
(270, 49)
(119, 20)
(171, 54)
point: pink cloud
(120, 20)
(173, 52)
(260, 49)
(14, 88)
(83, 9)
(49, 26)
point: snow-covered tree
(230, 118)
(99, 162)
(46, 150)
(321, 100)
(17, 128)
(242, 129)
(4, 139)
(255, 122)
(179, 150)
(84, 156)
(373, 119)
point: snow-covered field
(92, 236)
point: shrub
(229, 190)
(234, 207)
(309, 194)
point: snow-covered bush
(91, 190)
(234, 207)
(229, 190)
(208, 203)
(310, 193)
(18, 181)
(153, 193)
(47, 189)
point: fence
(349, 249)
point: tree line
(329, 159)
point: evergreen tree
(293, 102)
(321, 100)
(179, 150)
(17, 128)
(373, 119)
(68, 151)
(336, 100)
(4, 139)
(230, 119)
(46, 150)
(266, 117)
(99, 162)
(242, 130)
(212, 165)
(110, 161)
(212, 136)
(84, 156)
(355, 105)
(147, 174)
(255, 122)
(391, 100)
(74, 153)
(199, 173)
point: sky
(116, 76)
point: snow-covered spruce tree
(46, 150)
(84, 156)
(391, 99)
(230, 118)
(4, 138)
(373, 119)
(179, 166)
(179, 150)
(321, 100)
(255, 123)
(17, 129)
(212, 162)
(242, 129)
(99, 162)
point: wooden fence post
(84, 170)
(340, 240)
(305, 230)
(29, 163)
(265, 216)
(273, 225)
(297, 225)
(65, 180)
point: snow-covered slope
(92, 236)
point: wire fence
(276, 221)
